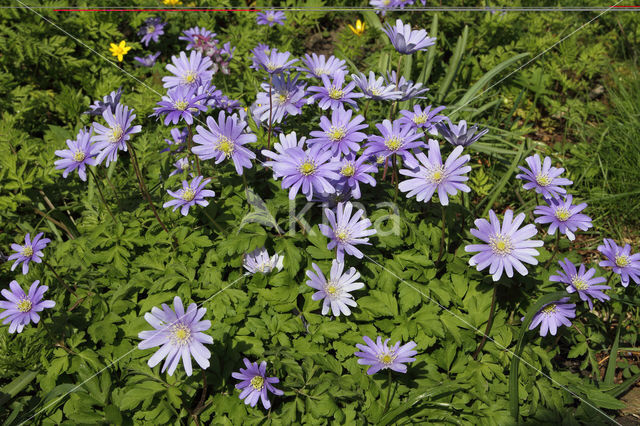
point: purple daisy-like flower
(332, 94)
(335, 290)
(422, 119)
(353, 171)
(260, 261)
(432, 175)
(397, 138)
(271, 17)
(408, 88)
(286, 141)
(376, 88)
(181, 102)
(108, 140)
(507, 246)
(191, 194)
(191, 71)
(30, 251)
(308, 170)
(178, 139)
(255, 384)
(179, 335)
(581, 281)
(198, 38)
(543, 178)
(147, 61)
(22, 308)
(227, 105)
(181, 166)
(381, 356)
(224, 139)
(341, 134)
(624, 263)
(459, 135)
(406, 40)
(287, 98)
(553, 315)
(151, 30)
(108, 102)
(317, 66)
(346, 231)
(273, 62)
(564, 216)
(79, 155)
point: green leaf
(10, 390)
(454, 64)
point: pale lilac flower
(381, 6)
(30, 251)
(553, 315)
(181, 166)
(286, 141)
(423, 119)
(191, 194)
(336, 290)
(408, 88)
(179, 335)
(376, 88)
(624, 263)
(459, 135)
(506, 247)
(271, 17)
(191, 71)
(341, 134)
(260, 261)
(255, 384)
(224, 139)
(147, 61)
(80, 154)
(353, 171)
(178, 139)
(346, 231)
(406, 40)
(22, 308)
(543, 178)
(198, 38)
(396, 139)
(317, 66)
(581, 281)
(181, 102)
(332, 94)
(273, 62)
(151, 30)
(381, 356)
(108, 102)
(564, 216)
(108, 140)
(287, 98)
(432, 175)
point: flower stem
(145, 192)
(366, 108)
(395, 175)
(95, 180)
(444, 232)
(189, 142)
(386, 404)
(113, 188)
(609, 278)
(555, 250)
(58, 277)
(384, 173)
(489, 322)
(270, 113)
(215, 224)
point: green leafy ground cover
(79, 365)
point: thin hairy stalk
(489, 322)
(58, 277)
(106, 206)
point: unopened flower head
(255, 384)
(553, 315)
(335, 291)
(460, 135)
(506, 247)
(432, 175)
(31, 251)
(181, 166)
(543, 178)
(80, 154)
(581, 281)
(346, 231)
(563, 216)
(380, 355)
(179, 335)
(619, 258)
(406, 40)
(22, 308)
(191, 194)
(109, 140)
(260, 261)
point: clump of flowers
(31, 251)
(191, 194)
(255, 384)
(22, 308)
(335, 292)
(380, 356)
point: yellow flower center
(380, 159)
(24, 305)
(150, 29)
(436, 175)
(394, 143)
(270, 18)
(307, 168)
(190, 77)
(420, 119)
(335, 93)
(551, 309)
(282, 99)
(271, 66)
(347, 170)
(188, 194)
(622, 261)
(342, 235)
(225, 145)
(78, 156)
(336, 133)
(180, 334)
(257, 382)
(184, 165)
(563, 214)
(320, 71)
(374, 91)
(386, 358)
(331, 290)
(579, 283)
(543, 179)
(116, 134)
(501, 244)
(27, 251)
(181, 105)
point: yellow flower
(359, 29)
(119, 50)
(172, 2)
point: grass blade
(609, 375)
(411, 402)
(620, 389)
(454, 64)
(431, 54)
(503, 182)
(10, 390)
